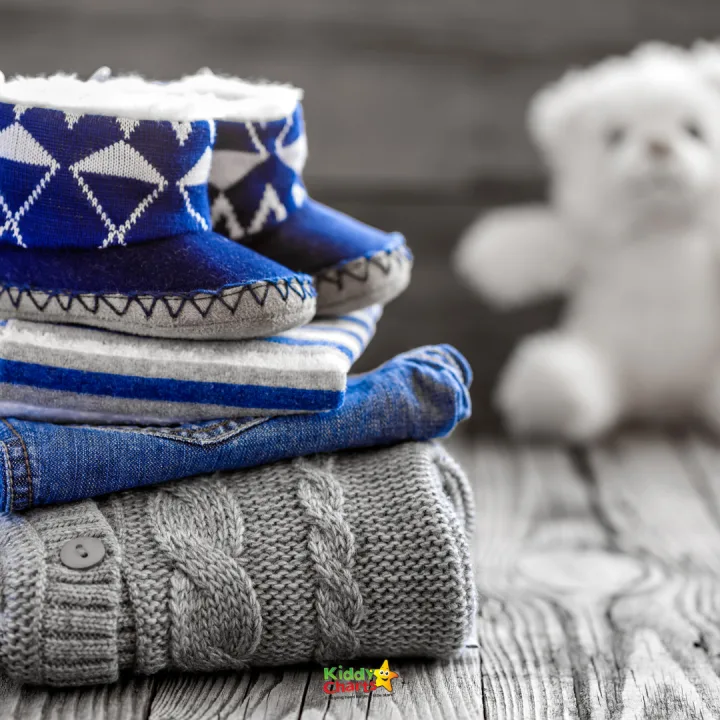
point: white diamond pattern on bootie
(197, 175)
(18, 145)
(182, 129)
(74, 179)
(299, 194)
(295, 154)
(256, 174)
(127, 125)
(270, 203)
(229, 167)
(222, 210)
(71, 119)
(122, 161)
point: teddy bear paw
(513, 256)
(556, 387)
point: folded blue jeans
(419, 395)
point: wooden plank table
(600, 579)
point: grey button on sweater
(320, 559)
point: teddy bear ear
(553, 112)
(544, 120)
(706, 57)
(557, 110)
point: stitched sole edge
(365, 281)
(262, 308)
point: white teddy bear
(632, 238)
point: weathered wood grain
(537, 544)
(601, 581)
(431, 690)
(125, 700)
(649, 498)
(185, 697)
(425, 689)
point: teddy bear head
(634, 140)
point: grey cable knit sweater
(359, 554)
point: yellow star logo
(384, 676)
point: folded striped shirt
(62, 373)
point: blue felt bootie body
(105, 220)
(258, 198)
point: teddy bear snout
(659, 149)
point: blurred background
(415, 110)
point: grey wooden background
(415, 108)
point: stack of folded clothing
(189, 478)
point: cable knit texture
(215, 615)
(358, 554)
(338, 601)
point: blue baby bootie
(258, 198)
(105, 219)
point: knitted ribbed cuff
(58, 623)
